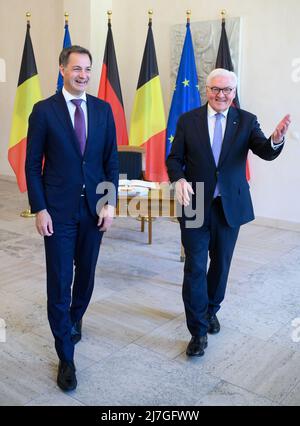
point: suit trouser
(76, 242)
(203, 290)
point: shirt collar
(211, 112)
(68, 96)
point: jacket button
(83, 163)
(217, 173)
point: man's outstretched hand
(281, 129)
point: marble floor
(134, 333)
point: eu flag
(186, 95)
(66, 43)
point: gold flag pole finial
(188, 16)
(66, 18)
(223, 14)
(28, 16)
(150, 13)
(109, 13)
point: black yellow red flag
(28, 93)
(148, 123)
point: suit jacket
(191, 158)
(57, 184)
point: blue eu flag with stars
(66, 43)
(186, 95)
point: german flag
(148, 124)
(28, 93)
(110, 88)
(224, 61)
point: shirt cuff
(277, 145)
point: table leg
(142, 224)
(149, 229)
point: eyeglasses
(217, 90)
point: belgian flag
(148, 124)
(28, 93)
(110, 88)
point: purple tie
(79, 124)
(217, 144)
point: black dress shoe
(66, 377)
(197, 345)
(213, 324)
(76, 332)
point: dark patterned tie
(217, 144)
(79, 124)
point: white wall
(270, 42)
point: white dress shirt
(71, 107)
(211, 121)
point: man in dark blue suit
(71, 150)
(211, 146)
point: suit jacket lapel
(230, 132)
(200, 119)
(63, 115)
(96, 123)
(91, 113)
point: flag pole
(174, 219)
(66, 18)
(109, 13)
(27, 213)
(146, 218)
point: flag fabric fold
(28, 93)
(110, 88)
(66, 43)
(224, 61)
(186, 94)
(224, 57)
(148, 124)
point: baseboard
(8, 178)
(277, 223)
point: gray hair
(221, 72)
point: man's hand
(281, 129)
(43, 223)
(106, 217)
(182, 190)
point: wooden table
(157, 203)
